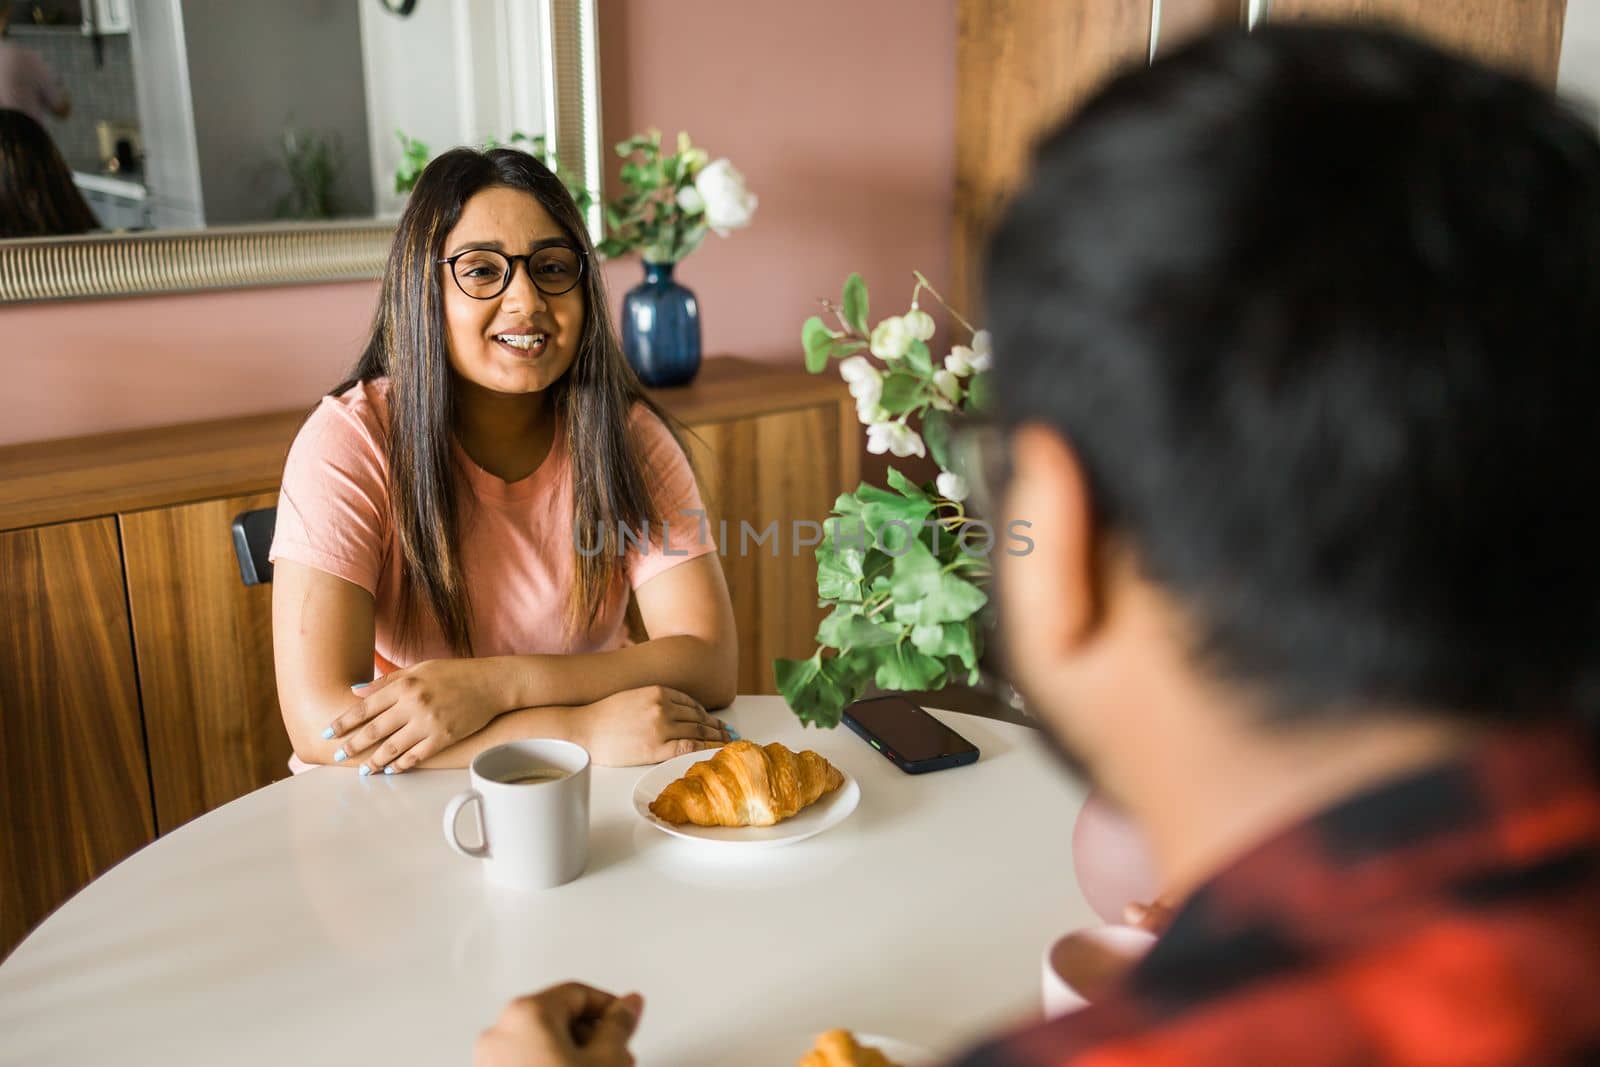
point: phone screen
(907, 729)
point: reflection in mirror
(37, 195)
(188, 113)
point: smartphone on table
(909, 737)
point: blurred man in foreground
(1298, 348)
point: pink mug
(1111, 860)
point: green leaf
(936, 434)
(690, 240)
(908, 488)
(855, 304)
(879, 506)
(819, 689)
(844, 346)
(808, 690)
(906, 668)
(919, 359)
(901, 392)
(792, 675)
(846, 628)
(958, 642)
(817, 339)
(980, 391)
(924, 594)
(839, 574)
(929, 638)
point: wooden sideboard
(136, 678)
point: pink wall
(74, 368)
(841, 116)
(840, 113)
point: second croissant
(746, 784)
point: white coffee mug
(532, 803)
(1080, 966)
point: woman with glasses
(461, 521)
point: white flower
(891, 338)
(690, 200)
(867, 391)
(982, 354)
(869, 412)
(946, 382)
(894, 437)
(959, 361)
(919, 323)
(856, 368)
(729, 205)
(951, 486)
(866, 385)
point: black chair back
(252, 539)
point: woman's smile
(527, 344)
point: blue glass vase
(661, 329)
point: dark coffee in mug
(535, 776)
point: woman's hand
(568, 1025)
(408, 715)
(646, 726)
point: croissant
(745, 784)
(838, 1048)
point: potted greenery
(904, 568)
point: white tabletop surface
(323, 920)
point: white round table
(323, 920)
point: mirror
(220, 145)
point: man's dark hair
(1318, 310)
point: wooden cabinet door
(1020, 66)
(76, 794)
(1524, 35)
(775, 468)
(205, 658)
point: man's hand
(569, 1025)
(1155, 916)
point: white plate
(900, 1053)
(827, 812)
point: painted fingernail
(360, 685)
(340, 755)
(365, 770)
(389, 769)
(327, 733)
(732, 733)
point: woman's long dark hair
(37, 196)
(409, 346)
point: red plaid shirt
(1450, 919)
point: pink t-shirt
(517, 544)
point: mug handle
(452, 812)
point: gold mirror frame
(96, 266)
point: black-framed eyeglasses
(483, 273)
(980, 452)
